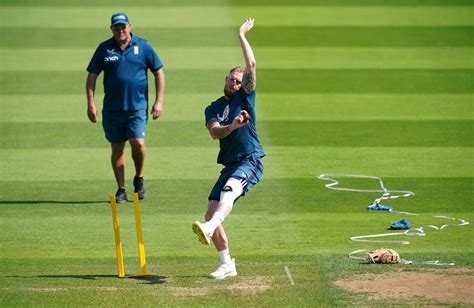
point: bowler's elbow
(213, 135)
(252, 65)
(212, 126)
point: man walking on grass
(125, 60)
(232, 120)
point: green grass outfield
(384, 88)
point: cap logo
(119, 17)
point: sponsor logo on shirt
(111, 57)
(225, 115)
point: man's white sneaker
(225, 270)
(202, 233)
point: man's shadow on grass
(31, 202)
(148, 279)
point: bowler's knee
(208, 215)
(211, 209)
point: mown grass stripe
(48, 59)
(367, 81)
(172, 260)
(260, 37)
(275, 107)
(278, 192)
(58, 250)
(364, 36)
(365, 107)
(281, 16)
(368, 133)
(373, 16)
(90, 164)
(233, 3)
(274, 133)
(269, 81)
(173, 229)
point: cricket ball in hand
(244, 116)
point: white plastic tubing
(387, 194)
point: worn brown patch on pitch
(246, 286)
(447, 286)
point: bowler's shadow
(148, 279)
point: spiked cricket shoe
(203, 235)
(225, 270)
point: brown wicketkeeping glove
(383, 255)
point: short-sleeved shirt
(243, 142)
(125, 73)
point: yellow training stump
(118, 241)
(141, 245)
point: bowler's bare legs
(219, 238)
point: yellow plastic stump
(118, 241)
(141, 245)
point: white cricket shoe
(225, 270)
(202, 233)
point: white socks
(215, 221)
(225, 256)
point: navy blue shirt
(242, 142)
(125, 73)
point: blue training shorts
(248, 171)
(121, 125)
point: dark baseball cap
(119, 19)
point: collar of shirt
(133, 42)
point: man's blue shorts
(248, 171)
(121, 125)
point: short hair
(238, 69)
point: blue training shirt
(242, 142)
(125, 73)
